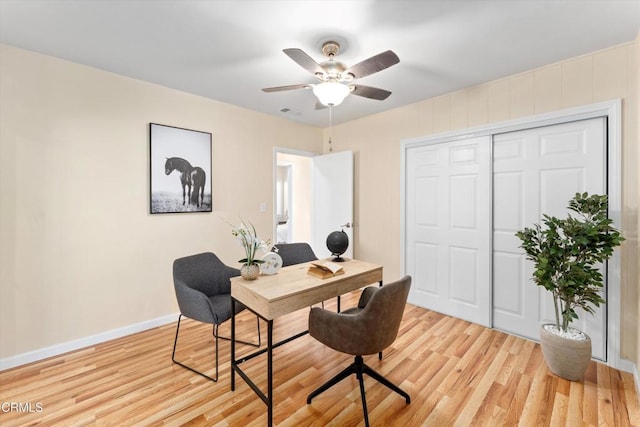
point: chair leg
(215, 333)
(173, 354)
(345, 373)
(359, 368)
(364, 398)
(382, 380)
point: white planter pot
(567, 358)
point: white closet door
(538, 171)
(448, 228)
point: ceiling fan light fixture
(335, 78)
(331, 93)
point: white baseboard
(632, 368)
(55, 350)
(627, 366)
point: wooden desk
(291, 289)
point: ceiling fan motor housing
(333, 70)
(330, 49)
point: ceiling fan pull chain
(330, 127)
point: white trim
(614, 191)
(612, 110)
(57, 349)
(630, 367)
(490, 231)
(403, 205)
(600, 109)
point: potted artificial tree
(566, 254)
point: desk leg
(270, 373)
(233, 344)
(380, 354)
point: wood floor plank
(518, 402)
(483, 408)
(605, 408)
(590, 403)
(456, 372)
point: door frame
(274, 184)
(287, 208)
(612, 111)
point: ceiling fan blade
(289, 87)
(370, 92)
(374, 64)
(304, 60)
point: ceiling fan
(336, 79)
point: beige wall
(376, 141)
(79, 253)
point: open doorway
(293, 193)
(312, 197)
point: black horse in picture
(191, 178)
(198, 177)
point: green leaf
(566, 253)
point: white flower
(248, 237)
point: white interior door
(332, 188)
(537, 171)
(448, 228)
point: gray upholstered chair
(203, 290)
(366, 329)
(295, 253)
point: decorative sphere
(337, 243)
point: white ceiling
(228, 50)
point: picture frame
(180, 170)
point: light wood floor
(457, 373)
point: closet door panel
(537, 172)
(448, 228)
(509, 284)
(466, 199)
(512, 288)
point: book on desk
(325, 269)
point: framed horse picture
(180, 170)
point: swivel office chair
(366, 329)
